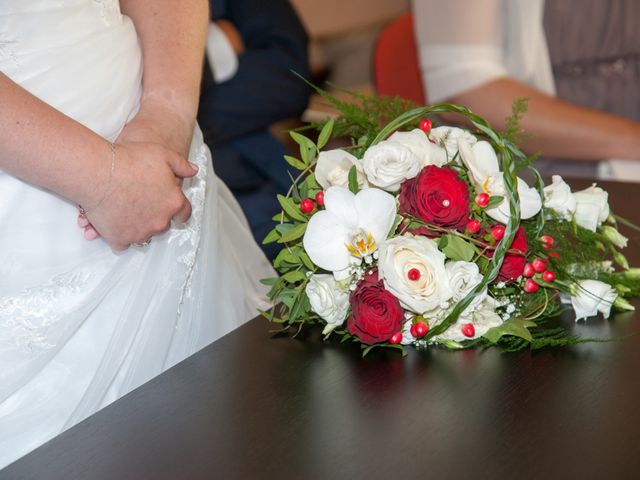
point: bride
(99, 102)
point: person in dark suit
(254, 45)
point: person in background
(577, 61)
(253, 48)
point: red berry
(529, 271)
(320, 199)
(497, 232)
(554, 254)
(473, 225)
(425, 125)
(468, 330)
(539, 265)
(307, 205)
(549, 276)
(419, 329)
(413, 274)
(396, 338)
(547, 241)
(530, 286)
(482, 199)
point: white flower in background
(558, 197)
(328, 300)
(483, 318)
(388, 164)
(332, 169)
(592, 207)
(447, 137)
(413, 270)
(463, 277)
(426, 152)
(592, 296)
(484, 171)
(350, 227)
(614, 236)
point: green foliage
(456, 248)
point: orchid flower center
(362, 244)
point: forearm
(44, 147)
(172, 34)
(559, 129)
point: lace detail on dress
(190, 232)
(7, 51)
(109, 10)
(26, 319)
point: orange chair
(395, 62)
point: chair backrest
(396, 68)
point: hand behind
(144, 196)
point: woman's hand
(143, 195)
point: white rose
(463, 277)
(483, 318)
(426, 152)
(412, 268)
(592, 207)
(558, 197)
(332, 169)
(327, 300)
(388, 164)
(592, 296)
(447, 137)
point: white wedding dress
(80, 325)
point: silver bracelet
(84, 211)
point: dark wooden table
(252, 406)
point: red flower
(437, 196)
(513, 263)
(376, 314)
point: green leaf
(295, 276)
(293, 234)
(456, 248)
(353, 179)
(285, 258)
(294, 162)
(516, 327)
(494, 201)
(291, 209)
(271, 237)
(269, 281)
(283, 228)
(307, 147)
(325, 133)
(306, 261)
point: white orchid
(484, 171)
(350, 227)
(333, 166)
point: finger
(181, 167)
(90, 233)
(82, 221)
(184, 213)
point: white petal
(530, 201)
(333, 163)
(324, 241)
(341, 202)
(376, 212)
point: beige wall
(343, 33)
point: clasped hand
(145, 192)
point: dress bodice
(64, 51)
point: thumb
(181, 167)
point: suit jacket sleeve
(264, 89)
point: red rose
(513, 263)
(437, 196)
(376, 314)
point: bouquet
(423, 235)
